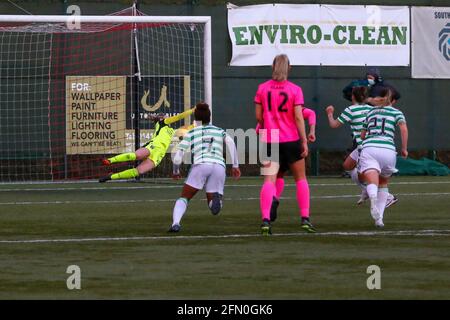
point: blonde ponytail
(280, 67)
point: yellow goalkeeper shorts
(159, 145)
(156, 153)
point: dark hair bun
(202, 112)
(202, 106)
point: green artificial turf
(120, 242)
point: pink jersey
(278, 100)
(308, 114)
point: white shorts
(380, 159)
(355, 155)
(208, 175)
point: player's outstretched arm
(180, 116)
(331, 121)
(231, 146)
(404, 135)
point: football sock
(354, 175)
(124, 157)
(303, 197)
(383, 194)
(372, 191)
(279, 185)
(178, 210)
(126, 174)
(268, 191)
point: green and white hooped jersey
(355, 116)
(380, 124)
(205, 144)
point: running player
(378, 156)
(205, 142)
(151, 153)
(278, 108)
(354, 115)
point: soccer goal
(74, 89)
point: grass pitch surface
(117, 234)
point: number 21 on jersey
(372, 126)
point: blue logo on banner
(444, 41)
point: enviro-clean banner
(341, 35)
(430, 42)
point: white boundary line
(414, 233)
(175, 186)
(344, 196)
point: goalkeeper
(151, 153)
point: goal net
(74, 90)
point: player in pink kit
(278, 104)
(304, 202)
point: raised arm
(180, 116)
(334, 123)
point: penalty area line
(401, 233)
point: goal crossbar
(104, 19)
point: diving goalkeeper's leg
(140, 154)
(144, 167)
(123, 157)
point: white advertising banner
(310, 34)
(430, 42)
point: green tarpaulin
(424, 166)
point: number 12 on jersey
(281, 106)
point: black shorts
(290, 152)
